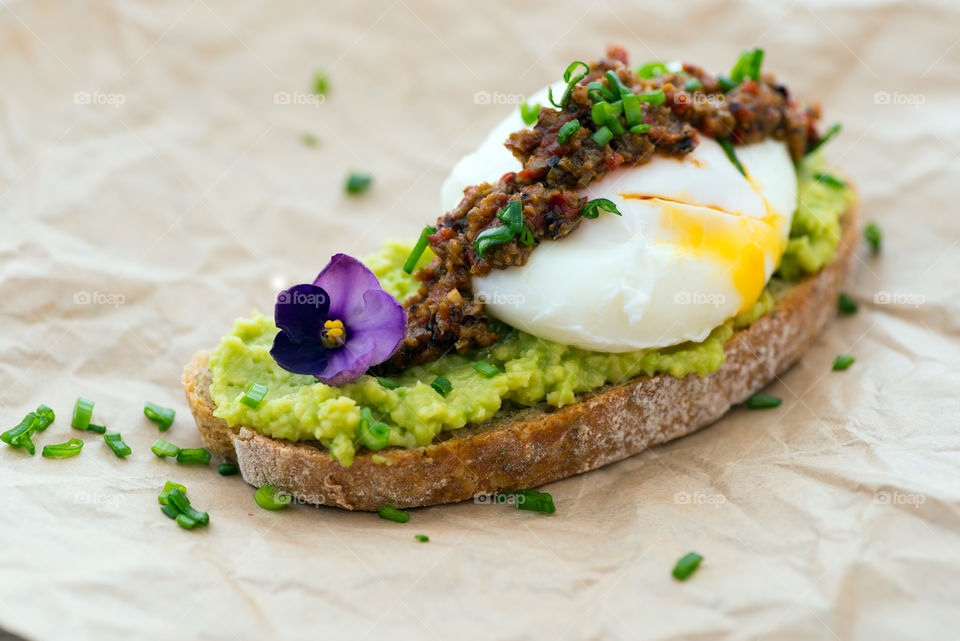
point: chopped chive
(686, 566)
(97, 429)
(178, 499)
(591, 209)
(115, 442)
(652, 70)
(487, 369)
(602, 136)
(391, 513)
(442, 385)
(655, 97)
(747, 66)
(631, 110)
(731, 154)
(530, 113)
(254, 395)
(186, 522)
(829, 180)
(388, 383)
(418, 249)
(567, 130)
(46, 416)
(358, 183)
(571, 80)
(373, 434)
(162, 416)
(164, 448)
(830, 133)
(309, 139)
(21, 435)
(82, 412)
(194, 455)
(846, 304)
(270, 499)
(639, 129)
(763, 402)
(227, 469)
(615, 127)
(320, 84)
(534, 501)
(842, 362)
(693, 84)
(599, 91)
(168, 487)
(617, 85)
(63, 450)
(874, 236)
(170, 511)
(423, 538)
(726, 83)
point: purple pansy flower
(338, 327)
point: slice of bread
(528, 448)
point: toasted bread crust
(529, 448)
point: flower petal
(346, 279)
(300, 312)
(306, 357)
(383, 319)
(348, 362)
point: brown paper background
(836, 516)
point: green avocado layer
(533, 370)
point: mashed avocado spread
(533, 370)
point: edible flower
(339, 326)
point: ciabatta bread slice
(528, 448)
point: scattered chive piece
(162, 416)
(842, 362)
(571, 80)
(652, 70)
(591, 209)
(254, 395)
(726, 83)
(185, 521)
(631, 110)
(164, 448)
(169, 510)
(567, 130)
(655, 97)
(534, 501)
(115, 442)
(97, 429)
(269, 499)
(423, 538)
(731, 154)
(167, 488)
(82, 412)
(178, 499)
(693, 84)
(358, 183)
(599, 91)
(388, 383)
(829, 180)
(874, 236)
(194, 455)
(686, 566)
(373, 434)
(616, 84)
(46, 416)
(530, 113)
(418, 249)
(763, 402)
(602, 136)
(309, 139)
(639, 129)
(320, 86)
(830, 133)
(20, 436)
(747, 66)
(442, 385)
(846, 305)
(391, 513)
(487, 369)
(227, 469)
(63, 450)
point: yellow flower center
(333, 334)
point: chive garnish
(639, 129)
(162, 416)
(652, 70)
(391, 513)
(270, 499)
(686, 566)
(571, 80)
(115, 442)
(320, 84)
(602, 136)
(567, 130)
(487, 369)
(418, 249)
(530, 113)
(763, 402)
(388, 383)
(82, 412)
(747, 66)
(632, 112)
(874, 236)
(45, 416)
(175, 504)
(534, 501)
(373, 434)
(846, 304)
(194, 455)
(442, 385)
(227, 469)
(358, 183)
(169, 510)
(167, 488)
(830, 133)
(309, 139)
(254, 395)
(726, 83)
(20, 436)
(655, 97)
(731, 154)
(97, 429)
(63, 450)
(829, 180)
(693, 84)
(617, 85)
(164, 448)
(842, 362)
(423, 538)
(512, 217)
(599, 91)
(591, 209)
